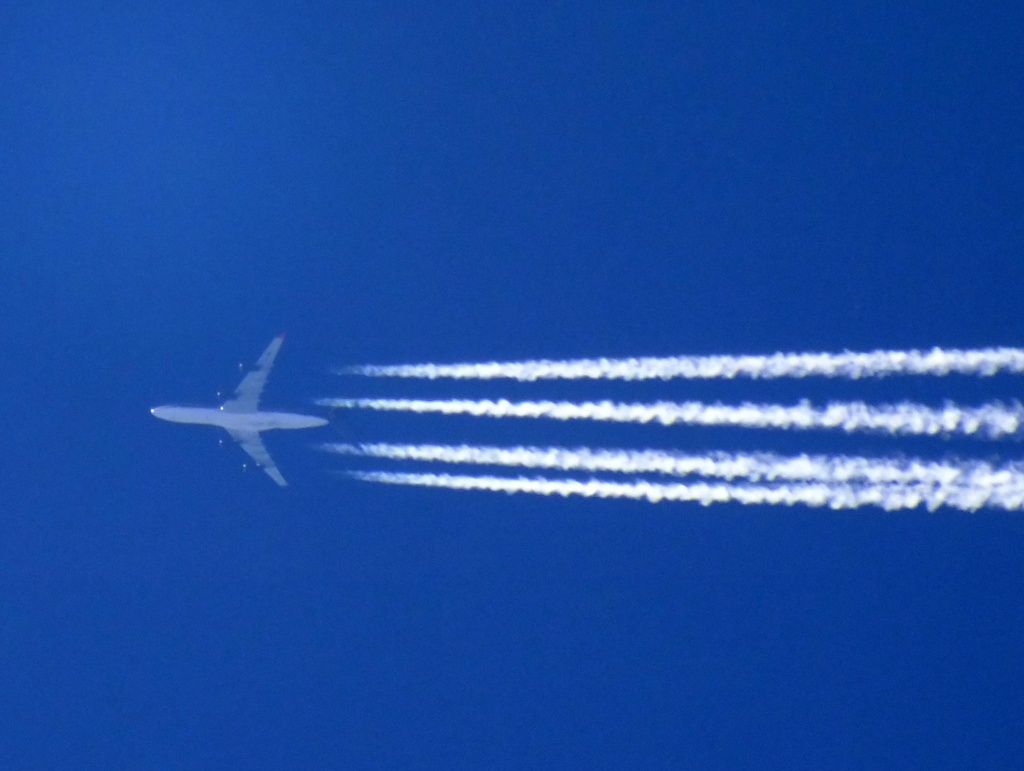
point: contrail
(888, 497)
(992, 420)
(937, 361)
(753, 467)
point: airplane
(241, 417)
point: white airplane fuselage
(236, 421)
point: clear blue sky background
(394, 182)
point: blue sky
(459, 182)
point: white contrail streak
(992, 420)
(753, 467)
(939, 362)
(888, 497)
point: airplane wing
(247, 395)
(251, 442)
